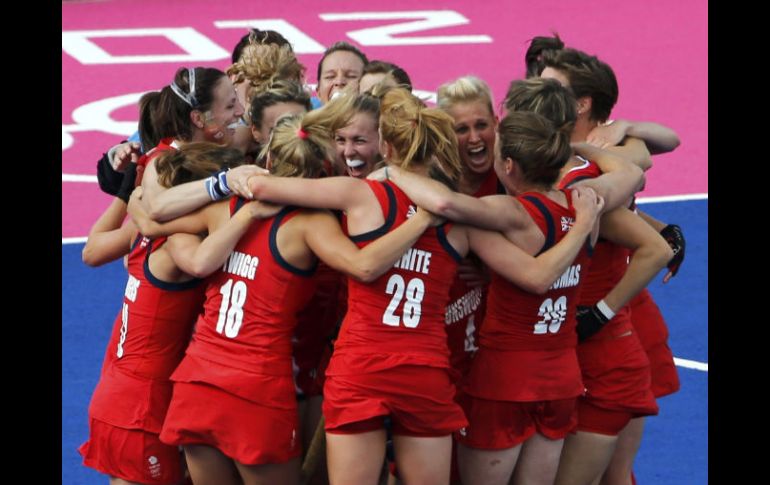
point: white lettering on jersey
(571, 277)
(241, 264)
(463, 306)
(415, 260)
(131, 288)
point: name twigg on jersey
(571, 277)
(241, 264)
(415, 260)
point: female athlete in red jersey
(391, 358)
(149, 336)
(233, 408)
(614, 367)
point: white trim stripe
(73, 240)
(692, 364)
(72, 177)
(671, 198)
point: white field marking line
(671, 198)
(692, 364)
(72, 177)
(644, 200)
(74, 240)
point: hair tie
(302, 134)
(187, 98)
(178, 91)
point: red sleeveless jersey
(242, 341)
(316, 326)
(527, 342)
(165, 144)
(398, 318)
(519, 320)
(608, 265)
(148, 340)
(467, 304)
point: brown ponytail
(301, 146)
(539, 147)
(419, 135)
(194, 161)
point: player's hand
(126, 154)
(608, 135)
(238, 179)
(433, 219)
(589, 321)
(473, 273)
(675, 238)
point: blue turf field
(674, 450)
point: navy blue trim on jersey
(239, 202)
(274, 245)
(389, 220)
(165, 285)
(550, 234)
(136, 241)
(441, 236)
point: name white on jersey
(415, 260)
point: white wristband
(606, 311)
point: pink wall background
(657, 48)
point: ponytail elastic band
(187, 98)
(302, 134)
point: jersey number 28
(415, 291)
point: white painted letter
(428, 19)
(301, 42)
(198, 47)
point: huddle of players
(534, 380)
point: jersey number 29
(552, 314)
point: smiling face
(474, 126)
(220, 121)
(357, 145)
(339, 69)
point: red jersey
(528, 341)
(467, 304)
(164, 145)
(399, 318)
(587, 170)
(148, 340)
(242, 341)
(608, 265)
(316, 325)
